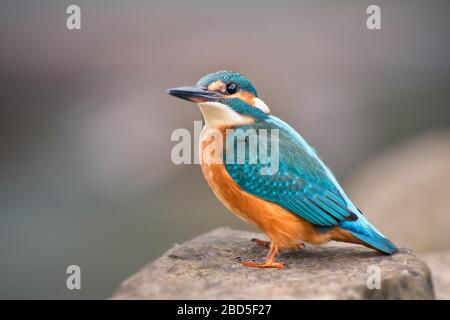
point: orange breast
(284, 228)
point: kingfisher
(301, 201)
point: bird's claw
(261, 243)
(301, 245)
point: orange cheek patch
(217, 86)
(245, 96)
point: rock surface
(439, 263)
(204, 268)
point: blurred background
(85, 123)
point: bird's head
(225, 98)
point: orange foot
(270, 259)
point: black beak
(195, 94)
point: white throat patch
(258, 103)
(217, 114)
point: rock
(438, 263)
(405, 192)
(205, 268)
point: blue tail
(367, 233)
(378, 242)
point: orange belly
(284, 228)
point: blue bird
(291, 195)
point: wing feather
(302, 184)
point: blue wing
(300, 183)
(301, 194)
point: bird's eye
(232, 88)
